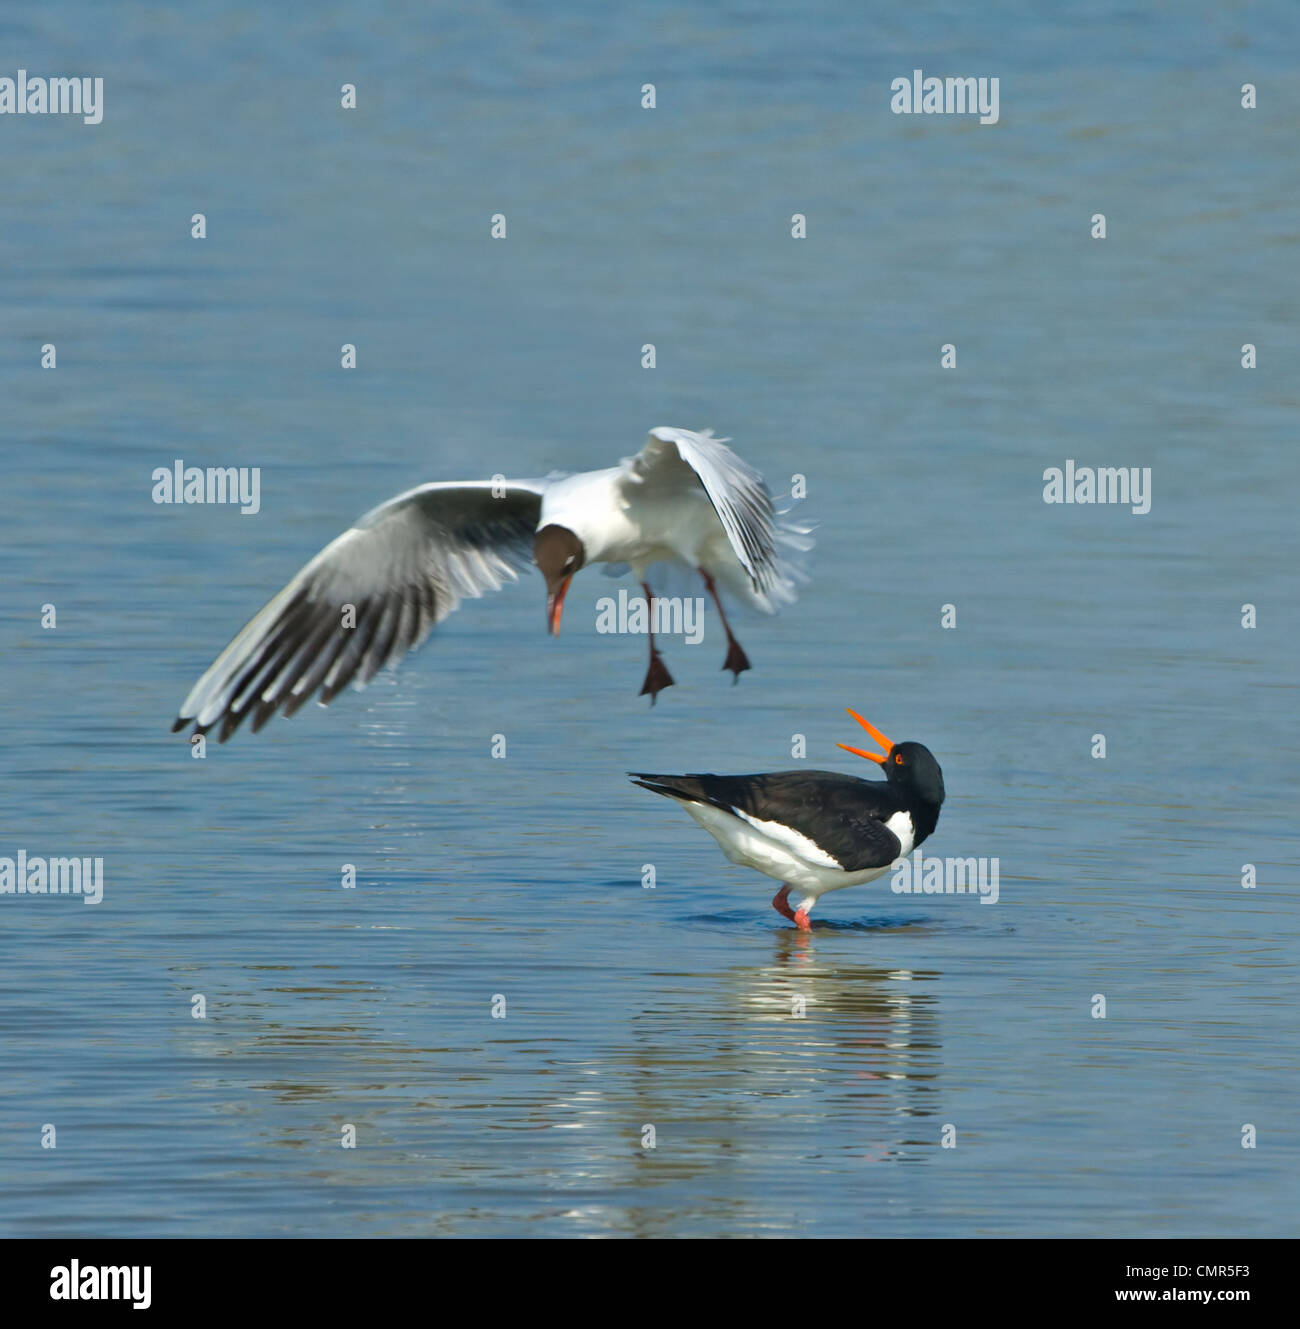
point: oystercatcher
(378, 590)
(816, 831)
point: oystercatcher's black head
(908, 766)
(558, 554)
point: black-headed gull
(816, 831)
(377, 591)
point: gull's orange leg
(657, 677)
(737, 661)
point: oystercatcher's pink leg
(737, 661)
(657, 677)
(781, 903)
(802, 921)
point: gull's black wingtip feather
(178, 724)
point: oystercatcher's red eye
(898, 759)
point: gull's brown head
(558, 554)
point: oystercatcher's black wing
(842, 815)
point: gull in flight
(379, 589)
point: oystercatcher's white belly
(780, 852)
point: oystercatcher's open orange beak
(886, 743)
(555, 606)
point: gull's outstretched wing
(735, 488)
(368, 598)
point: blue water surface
(515, 883)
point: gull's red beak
(555, 606)
(886, 743)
